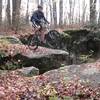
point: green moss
(9, 65)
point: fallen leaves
(16, 87)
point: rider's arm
(45, 19)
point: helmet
(39, 6)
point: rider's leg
(41, 33)
(42, 36)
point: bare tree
(51, 11)
(27, 12)
(46, 11)
(79, 15)
(0, 12)
(92, 12)
(99, 15)
(15, 13)
(41, 2)
(84, 12)
(71, 11)
(55, 13)
(61, 12)
(73, 6)
(37, 2)
(8, 13)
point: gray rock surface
(29, 71)
(86, 73)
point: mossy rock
(52, 59)
(9, 39)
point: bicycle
(50, 41)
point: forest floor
(14, 86)
(49, 86)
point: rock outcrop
(17, 55)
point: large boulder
(17, 55)
(83, 41)
(43, 58)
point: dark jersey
(37, 16)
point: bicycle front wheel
(32, 41)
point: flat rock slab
(44, 59)
(86, 73)
(43, 52)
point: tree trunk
(27, 13)
(15, 12)
(51, 12)
(70, 13)
(73, 10)
(84, 12)
(92, 13)
(46, 11)
(79, 16)
(55, 13)
(37, 2)
(0, 12)
(41, 2)
(61, 12)
(99, 15)
(8, 13)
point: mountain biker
(37, 18)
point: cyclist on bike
(37, 18)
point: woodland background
(15, 14)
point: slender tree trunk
(27, 13)
(8, 13)
(99, 15)
(70, 13)
(55, 13)
(92, 12)
(73, 6)
(37, 2)
(84, 12)
(16, 13)
(61, 12)
(51, 11)
(46, 11)
(41, 2)
(0, 12)
(79, 16)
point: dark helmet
(39, 6)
